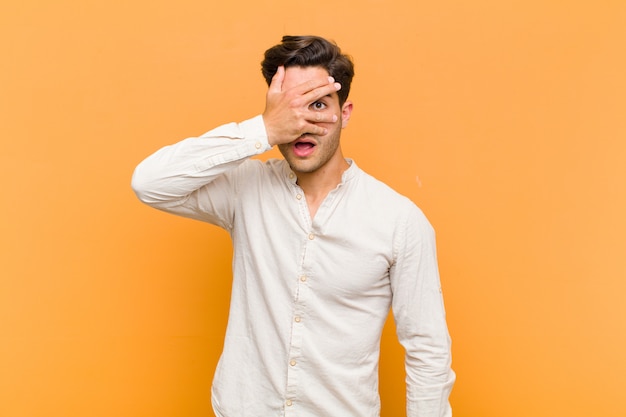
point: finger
(321, 117)
(321, 91)
(314, 129)
(277, 80)
(312, 84)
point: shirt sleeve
(195, 178)
(419, 315)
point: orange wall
(504, 120)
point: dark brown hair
(310, 51)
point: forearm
(428, 395)
(429, 377)
(171, 174)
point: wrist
(268, 132)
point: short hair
(310, 51)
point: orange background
(504, 120)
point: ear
(346, 111)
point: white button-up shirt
(310, 296)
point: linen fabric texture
(310, 296)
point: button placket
(295, 360)
(298, 196)
(295, 348)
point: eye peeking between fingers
(318, 105)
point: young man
(321, 252)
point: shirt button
(299, 196)
(298, 319)
(291, 175)
(311, 236)
(303, 278)
(292, 363)
(289, 403)
(258, 145)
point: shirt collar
(347, 175)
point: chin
(302, 168)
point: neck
(316, 185)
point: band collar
(347, 175)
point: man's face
(309, 153)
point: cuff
(254, 130)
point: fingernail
(334, 118)
(338, 86)
(331, 80)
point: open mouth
(303, 147)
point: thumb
(277, 80)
